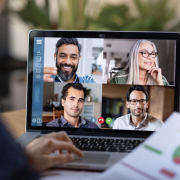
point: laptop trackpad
(92, 158)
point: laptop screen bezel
(104, 35)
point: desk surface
(14, 122)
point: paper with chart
(158, 158)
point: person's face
(67, 61)
(139, 109)
(74, 102)
(146, 63)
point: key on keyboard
(103, 144)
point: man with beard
(138, 119)
(67, 56)
(73, 95)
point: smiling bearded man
(67, 55)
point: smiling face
(67, 61)
(74, 102)
(146, 63)
(139, 109)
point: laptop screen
(99, 83)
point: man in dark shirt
(73, 96)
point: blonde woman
(142, 66)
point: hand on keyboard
(39, 151)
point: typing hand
(39, 151)
(48, 71)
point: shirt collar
(63, 121)
(75, 81)
(143, 122)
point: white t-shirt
(149, 123)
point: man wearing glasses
(138, 119)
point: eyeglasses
(146, 54)
(135, 101)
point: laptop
(103, 68)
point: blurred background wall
(20, 16)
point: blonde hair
(132, 66)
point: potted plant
(89, 98)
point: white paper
(67, 175)
(157, 158)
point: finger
(59, 159)
(35, 142)
(50, 70)
(153, 72)
(150, 70)
(53, 145)
(47, 78)
(60, 136)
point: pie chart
(176, 156)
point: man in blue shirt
(73, 95)
(67, 55)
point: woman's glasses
(146, 54)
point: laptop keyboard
(103, 144)
(108, 145)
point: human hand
(156, 73)
(39, 151)
(48, 71)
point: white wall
(96, 90)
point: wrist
(160, 83)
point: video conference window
(147, 62)
(136, 107)
(118, 84)
(63, 101)
(77, 60)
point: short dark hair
(68, 41)
(77, 86)
(137, 88)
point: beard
(143, 111)
(66, 75)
